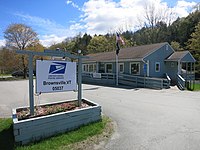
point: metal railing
(180, 82)
(99, 75)
(188, 76)
(146, 82)
(130, 80)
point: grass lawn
(57, 142)
(196, 87)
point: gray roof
(133, 53)
(179, 56)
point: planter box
(34, 129)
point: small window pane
(95, 68)
(135, 68)
(91, 68)
(121, 68)
(108, 68)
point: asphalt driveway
(145, 119)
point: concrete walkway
(145, 119)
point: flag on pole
(118, 41)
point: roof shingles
(134, 53)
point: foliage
(194, 46)
(20, 36)
(99, 44)
(72, 45)
(176, 46)
(8, 61)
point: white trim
(157, 63)
(148, 68)
(119, 60)
(119, 67)
(130, 67)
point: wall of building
(172, 70)
(159, 56)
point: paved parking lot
(145, 119)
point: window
(172, 64)
(135, 68)
(121, 67)
(108, 68)
(102, 68)
(157, 67)
(85, 68)
(89, 68)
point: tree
(194, 46)
(176, 46)
(8, 61)
(20, 36)
(98, 44)
(193, 43)
(154, 23)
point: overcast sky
(55, 20)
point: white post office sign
(55, 76)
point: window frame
(119, 67)
(106, 67)
(157, 63)
(138, 73)
(86, 68)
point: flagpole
(117, 75)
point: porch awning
(182, 56)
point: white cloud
(183, 8)
(70, 2)
(48, 40)
(49, 31)
(2, 43)
(46, 26)
(103, 16)
(76, 26)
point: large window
(108, 68)
(89, 68)
(157, 67)
(135, 68)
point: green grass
(56, 142)
(195, 87)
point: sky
(55, 20)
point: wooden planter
(34, 129)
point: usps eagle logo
(57, 68)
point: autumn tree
(20, 36)
(7, 61)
